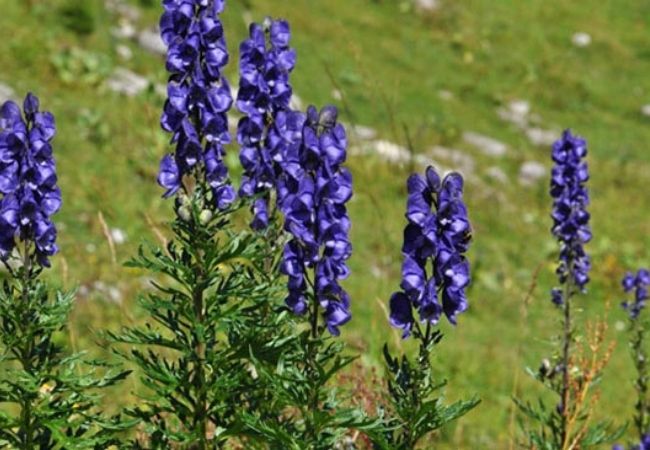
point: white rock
(118, 236)
(390, 151)
(645, 110)
(497, 174)
(457, 159)
(126, 82)
(6, 93)
(487, 145)
(445, 94)
(124, 52)
(581, 39)
(123, 9)
(124, 30)
(151, 41)
(160, 90)
(427, 5)
(541, 137)
(516, 112)
(363, 133)
(519, 107)
(531, 172)
(114, 294)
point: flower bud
(205, 216)
(184, 213)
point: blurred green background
(479, 86)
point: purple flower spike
(266, 62)
(570, 216)
(198, 97)
(28, 179)
(313, 190)
(435, 271)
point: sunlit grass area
(421, 81)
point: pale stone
(581, 39)
(487, 145)
(6, 93)
(531, 172)
(118, 236)
(126, 82)
(151, 41)
(497, 174)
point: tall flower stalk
(55, 400)
(572, 372)
(312, 190)
(266, 61)
(202, 320)
(638, 285)
(435, 274)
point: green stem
(566, 356)
(641, 365)
(200, 412)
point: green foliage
(416, 410)
(638, 327)
(55, 395)
(313, 414)
(79, 16)
(193, 352)
(75, 65)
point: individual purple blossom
(312, 193)
(639, 284)
(28, 181)
(570, 217)
(266, 62)
(435, 271)
(198, 97)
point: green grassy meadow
(420, 80)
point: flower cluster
(264, 90)
(198, 96)
(435, 242)
(312, 194)
(570, 216)
(640, 284)
(643, 445)
(27, 179)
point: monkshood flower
(198, 96)
(570, 216)
(640, 284)
(435, 271)
(312, 194)
(27, 180)
(264, 90)
(643, 445)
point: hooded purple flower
(198, 97)
(264, 90)
(27, 179)
(312, 192)
(570, 216)
(638, 283)
(435, 271)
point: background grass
(390, 65)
